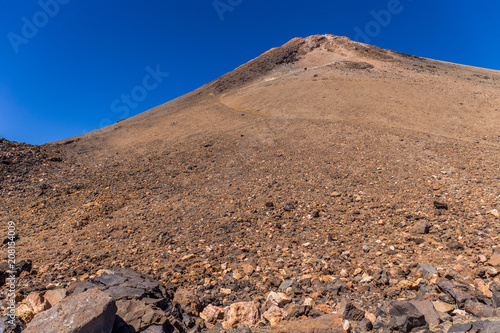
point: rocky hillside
(327, 185)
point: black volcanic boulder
(7, 327)
(405, 317)
(349, 311)
(140, 315)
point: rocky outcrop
(91, 311)
(129, 302)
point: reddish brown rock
(443, 307)
(247, 269)
(495, 260)
(211, 314)
(479, 310)
(54, 296)
(25, 312)
(188, 301)
(329, 323)
(274, 315)
(37, 302)
(324, 308)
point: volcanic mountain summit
(323, 162)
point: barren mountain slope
(291, 163)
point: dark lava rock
(298, 311)
(81, 287)
(189, 301)
(110, 280)
(365, 325)
(491, 327)
(350, 312)
(479, 310)
(6, 327)
(140, 315)
(440, 205)
(119, 292)
(243, 329)
(406, 317)
(460, 328)
(381, 326)
(448, 288)
(428, 310)
(381, 277)
(155, 329)
(427, 270)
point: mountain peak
(309, 52)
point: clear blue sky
(71, 66)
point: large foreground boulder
(91, 311)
